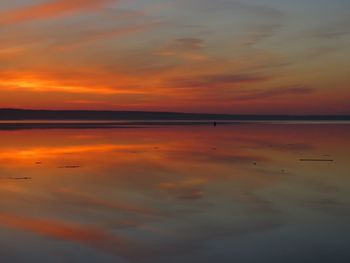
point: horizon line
(179, 112)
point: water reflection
(236, 193)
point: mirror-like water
(235, 193)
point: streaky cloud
(50, 9)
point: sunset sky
(222, 56)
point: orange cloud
(119, 32)
(185, 48)
(50, 10)
(38, 83)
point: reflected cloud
(82, 199)
(73, 232)
(55, 152)
(191, 189)
(215, 157)
(144, 195)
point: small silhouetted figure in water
(214, 123)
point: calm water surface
(234, 193)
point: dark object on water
(70, 166)
(316, 160)
(38, 163)
(255, 163)
(19, 178)
(214, 123)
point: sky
(222, 56)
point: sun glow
(36, 85)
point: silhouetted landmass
(89, 115)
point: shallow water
(233, 193)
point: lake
(239, 192)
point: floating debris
(316, 160)
(19, 178)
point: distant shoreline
(38, 125)
(149, 116)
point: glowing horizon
(227, 56)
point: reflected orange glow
(96, 238)
(55, 152)
(179, 185)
